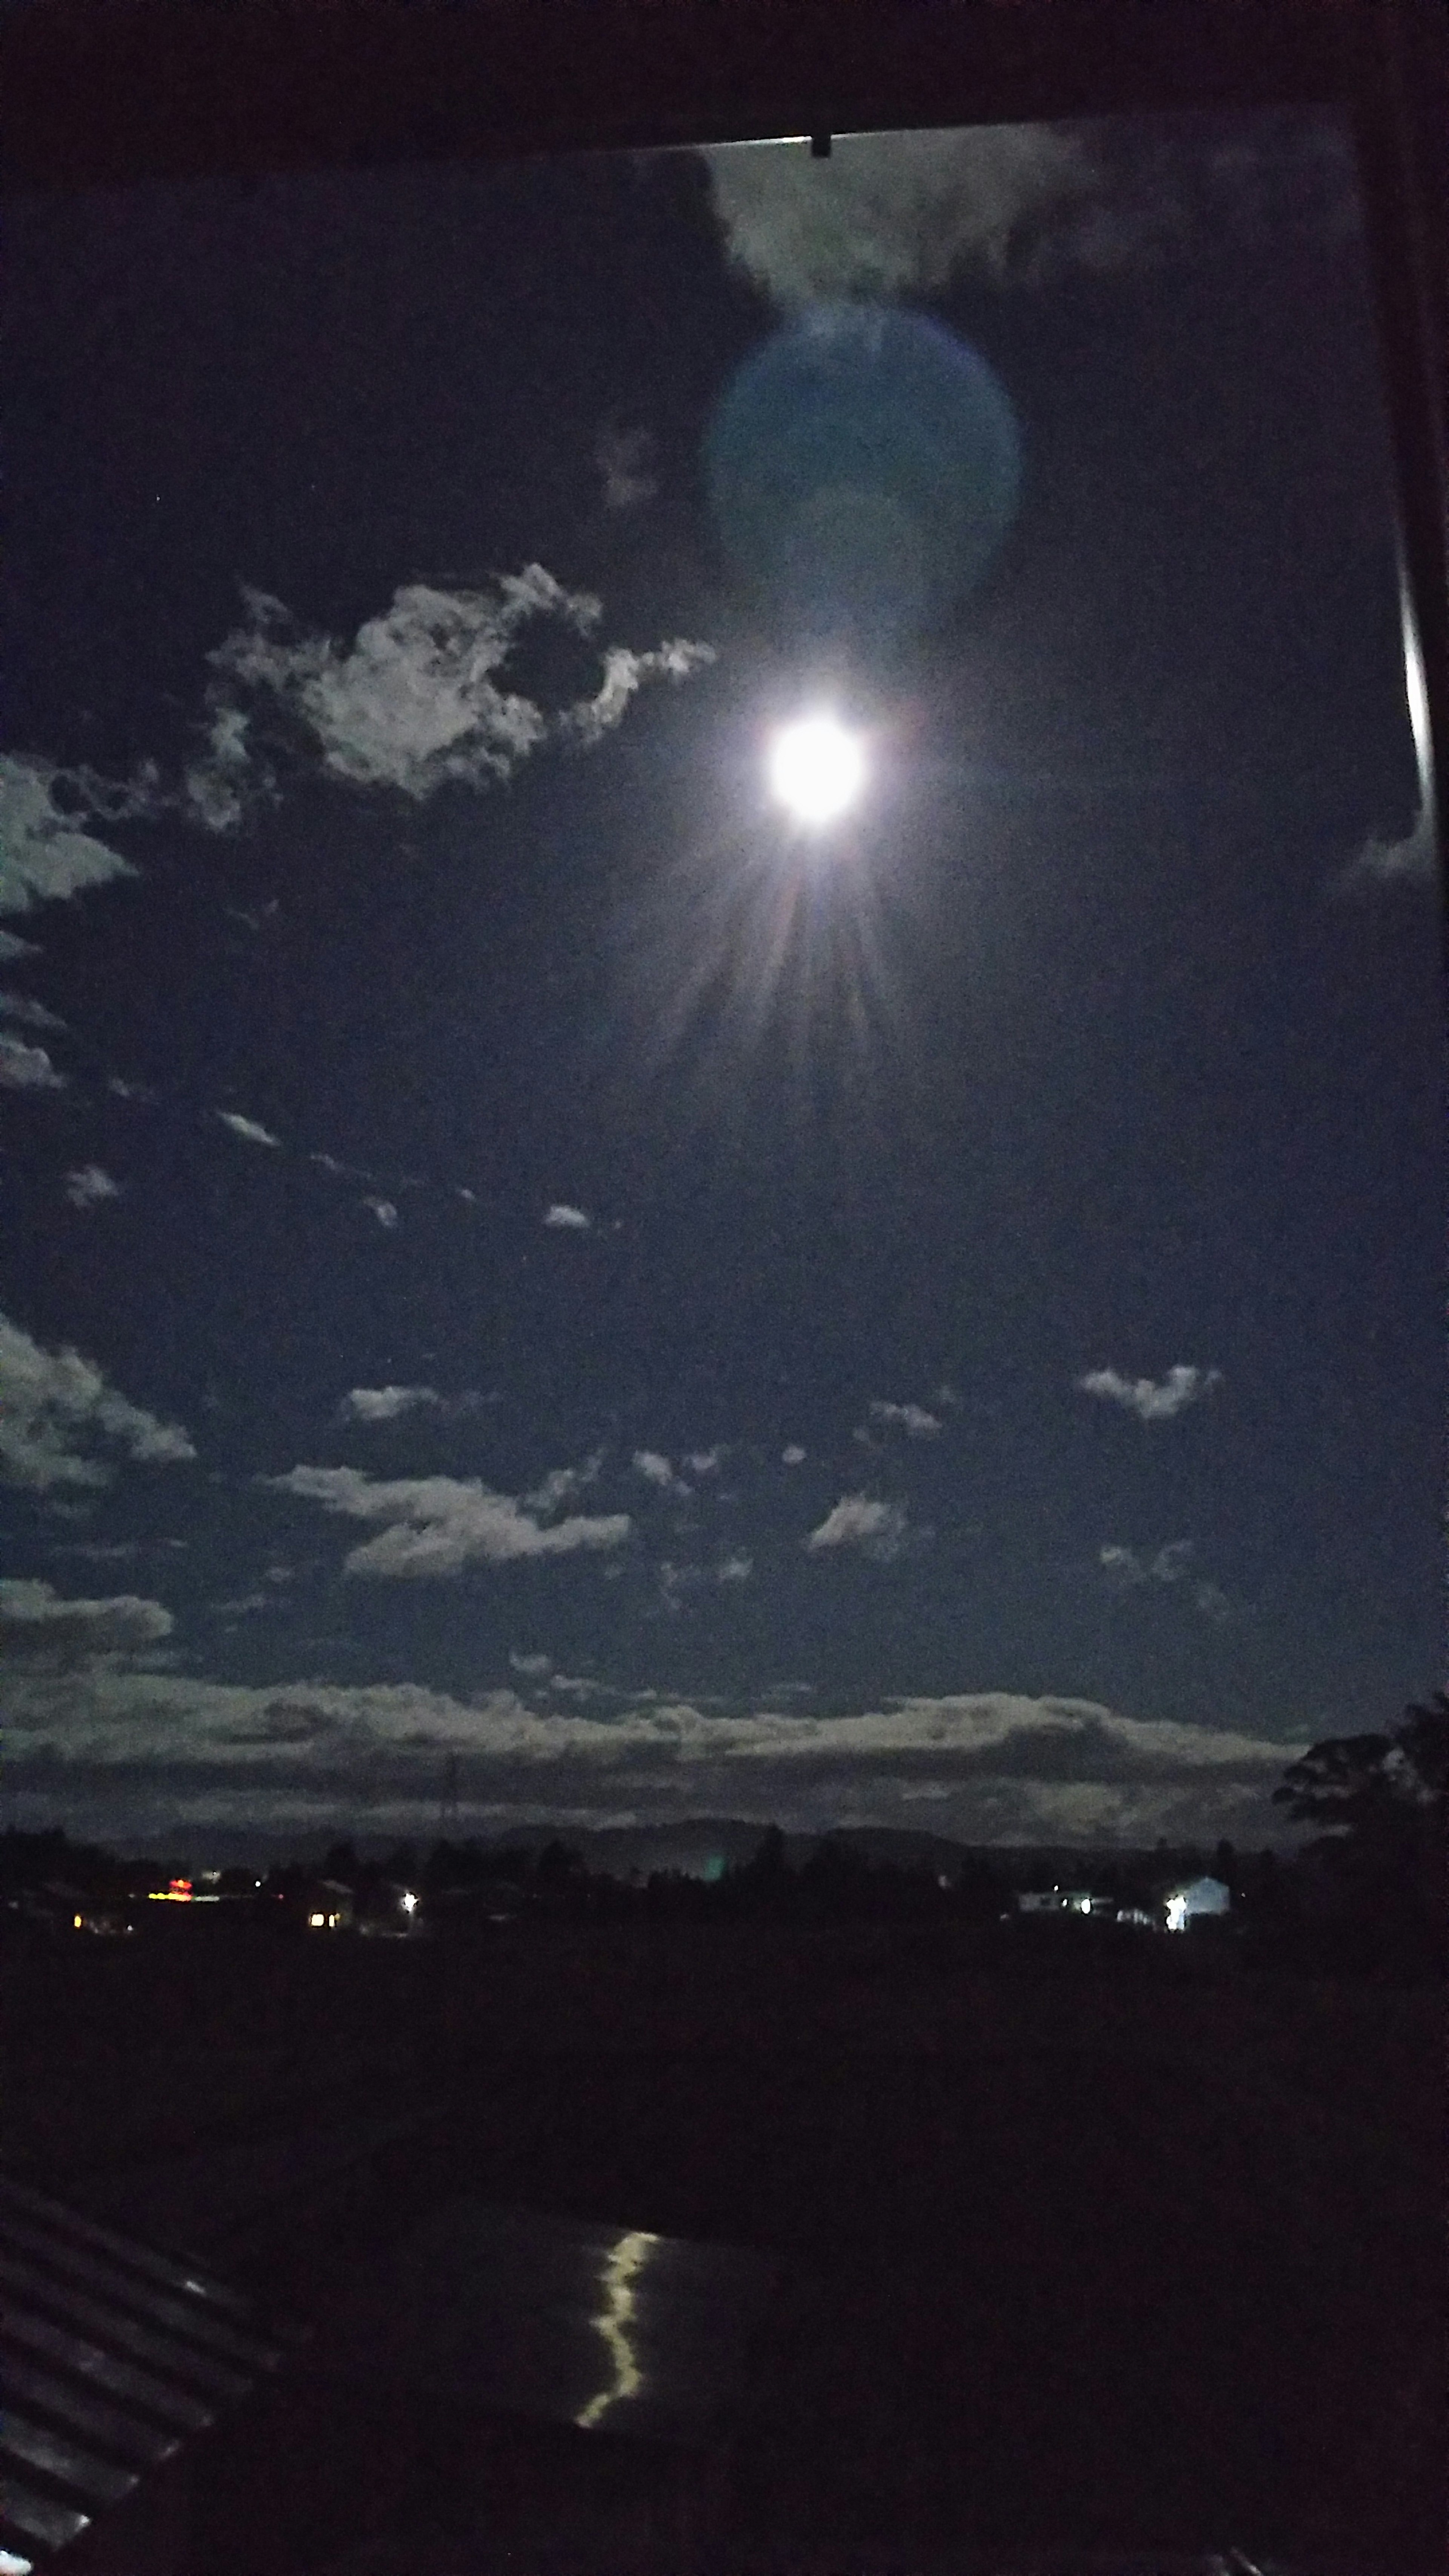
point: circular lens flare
(817, 769)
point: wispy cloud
(385, 1403)
(414, 701)
(435, 1525)
(561, 1484)
(565, 1219)
(877, 1529)
(90, 1187)
(737, 1567)
(792, 1455)
(251, 1130)
(27, 1013)
(384, 1211)
(625, 459)
(1152, 1400)
(1127, 1570)
(41, 1631)
(27, 1068)
(1412, 860)
(57, 1412)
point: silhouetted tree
(1381, 1858)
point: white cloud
(793, 1456)
(435, 1525)
(896, 214)
(704, 1462)
(249, 1129)
(878, 1529)
(27, 1068)
(57, 1410)
(737, 1567)
(910, 1418)
(385, 1403)
(414, 701)
(27, 1013)
(11, 947)
(567, 1218)
(384, 1211)
(44, 857)
(624, 458)
(656, 1470)
(40, 1629)
(90, 1187)
(535, 1668)
(1152, 1401)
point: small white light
(816, 768)
(409, 1902)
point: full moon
(817, 769)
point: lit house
(1200, 1897)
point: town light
(409, 1901)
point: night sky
(516, 1249)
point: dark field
(1079, 2245)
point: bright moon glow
(816, 768)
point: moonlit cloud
(561, 1483)
(435, 1525)
(704, 1462)
(44, 856)
(1152, 1401)
(249, 1129)
(913, 1419)
(40, 1630)
(384, 1211)
(27, 1068)
(656, 1470)
(889, 215)
(996, 1767)
(56, 1412)
(90, 1187)
(385, 1403)
(793, 1455)
(737, 1567)
(877, 1529)
(414, 701)
(565, 1219)
(27, 1013)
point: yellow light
(79, 1922)
(317, 1922)
(817, 769)
(614, 2324)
